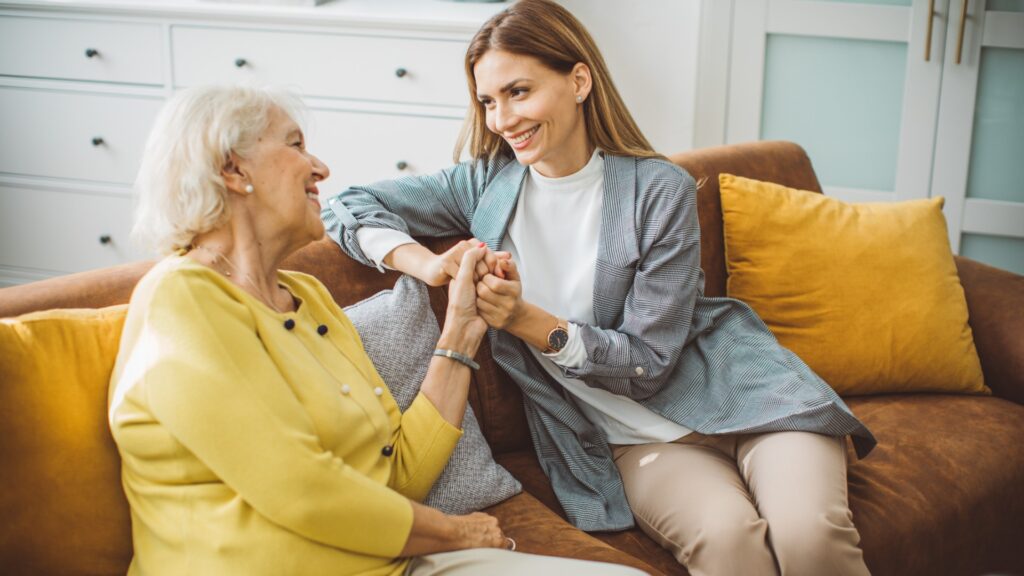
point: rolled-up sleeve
(377, 243)
(436, 205)
(574, 353)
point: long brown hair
(551, 34)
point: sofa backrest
(783, 163)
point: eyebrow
(506, 87)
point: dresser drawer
(73, 135)
(81, 50)
(362, 148)
(64, 231)
(357, 67)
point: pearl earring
(579, 99)
(248, 188)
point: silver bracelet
(460, 358)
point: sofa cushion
(399, 332)
(941, 493)
(524, 465)
(538, 530)
(867, 294)
(60, 490)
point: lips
(313, 195)
(523, 139)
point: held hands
(463, 321)
(444, 267)
(500, 294)
(499, 290)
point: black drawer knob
(91, 52)
(241, 62)
(401, 72)
(402, 165)
(106, 239)
(97, 141)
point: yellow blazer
(249, 447)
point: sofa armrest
(995, 303)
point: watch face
(558, 338)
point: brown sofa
(943, 493)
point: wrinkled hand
(479, 530)
(500, 295)
(463, 316)
(444, 267)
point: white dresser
(81, 81)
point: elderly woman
(256, 436)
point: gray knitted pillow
(399, 331)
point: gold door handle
(928, 39)
(960, 37)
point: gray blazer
(709, 364)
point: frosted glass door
(979, 152)
(856, 83)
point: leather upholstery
(783, 163)
(538, 530)
(995, 305)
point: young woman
(645, 398)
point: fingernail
(481, 245)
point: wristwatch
(558, 337)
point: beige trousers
(745, 504)
(495, 562)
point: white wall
(651, 47)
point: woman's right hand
(434, 531)
(443, 268)
(478, 530)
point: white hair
(180, 188)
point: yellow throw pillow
(60, 489)
(867, 294)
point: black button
(321, 329)
(387, 450)
(289, 324)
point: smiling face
(535, 110)
(285, 176)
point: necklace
(245, 276)
(345, 390)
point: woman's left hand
(500, 295)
